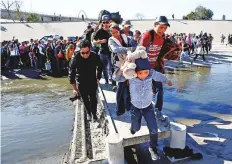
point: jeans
(32, 59)
(210, 46)
(185, 56)
(158, 87)
(122, 97)
(149, 116)
(106, 60)
(89, 95)
(205, 48)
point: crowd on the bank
(52, 55)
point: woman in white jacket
(119, 45)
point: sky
(128, 9)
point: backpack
(103, 12)
(116, 17)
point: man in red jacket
(159, 48)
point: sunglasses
(83, 53)
(105, 22)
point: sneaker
(154, 154)
(89, 117)
(132, 131)
(114, 88)
(95, 118)
(159, 115)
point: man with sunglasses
(101, 37)
(83, 77)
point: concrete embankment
(25, 31)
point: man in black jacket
(83, 77)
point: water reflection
(198, 91)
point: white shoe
(154, 154)
(89, 117)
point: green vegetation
(33, 17)
(200, 13)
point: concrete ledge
(79, 118)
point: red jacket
(160, 48)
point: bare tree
(139, 16)
(11, 5)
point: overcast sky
(128, 8)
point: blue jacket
(141, 90)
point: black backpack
(103, 12)
(116, 17)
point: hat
(105, 17)
(162, 20)
(127, 23)
(142, 64)
(115, 26)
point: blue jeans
(106, 60)
(149, 116)
(122, 97)
(158, 87)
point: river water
(37, 120)
(37, 116)
(200, 93)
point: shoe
(95, 118)
(154, 154)
(159, 115)
(119, 113)
(132, 131)
(107, 82)
(89, 117)
(114, 88)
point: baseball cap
(162, 20)
(142, 64)
(106, 17)
(127, 23)
(114, 25)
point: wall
(46, 18)
(25, 31)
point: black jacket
(83, 71)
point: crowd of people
(51, 56)
(103, 50)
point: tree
(33, 17)
(200, 13)
(11, 5)
(139, 16)
(18, 5)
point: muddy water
(200, 94)
(36, 120)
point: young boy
(141, 101)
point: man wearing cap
(126, 28)
(101, 37)
(89, 32)
(156, 57)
